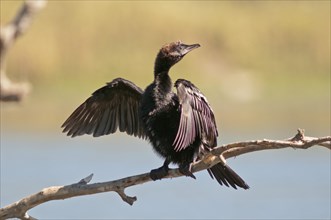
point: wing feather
(114, 106)
(196, 119)
(104, 116)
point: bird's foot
(186, 170)
(159, 173)
(203, 149)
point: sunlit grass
(278, 51)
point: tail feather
(225, 175)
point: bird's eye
(175, 53)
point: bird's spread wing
(197, 118)
(109, 108)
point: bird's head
(172, 53)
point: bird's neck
(163, 86)
(161, 65)
(163, 82)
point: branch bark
(10, 91)
(19, 209)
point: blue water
(285, 184)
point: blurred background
(264, 66)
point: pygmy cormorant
(179, 126)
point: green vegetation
(262, 64)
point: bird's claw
(186, 170)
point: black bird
(179, 126)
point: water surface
(285, 184)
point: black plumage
(179, 126)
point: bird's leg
(203, 149)
(160, 172)
(186, 170)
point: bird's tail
(225, 175)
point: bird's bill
(187, 48)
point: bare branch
(86, 180)
(19, 209)
(128, 199)
(10, 91)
